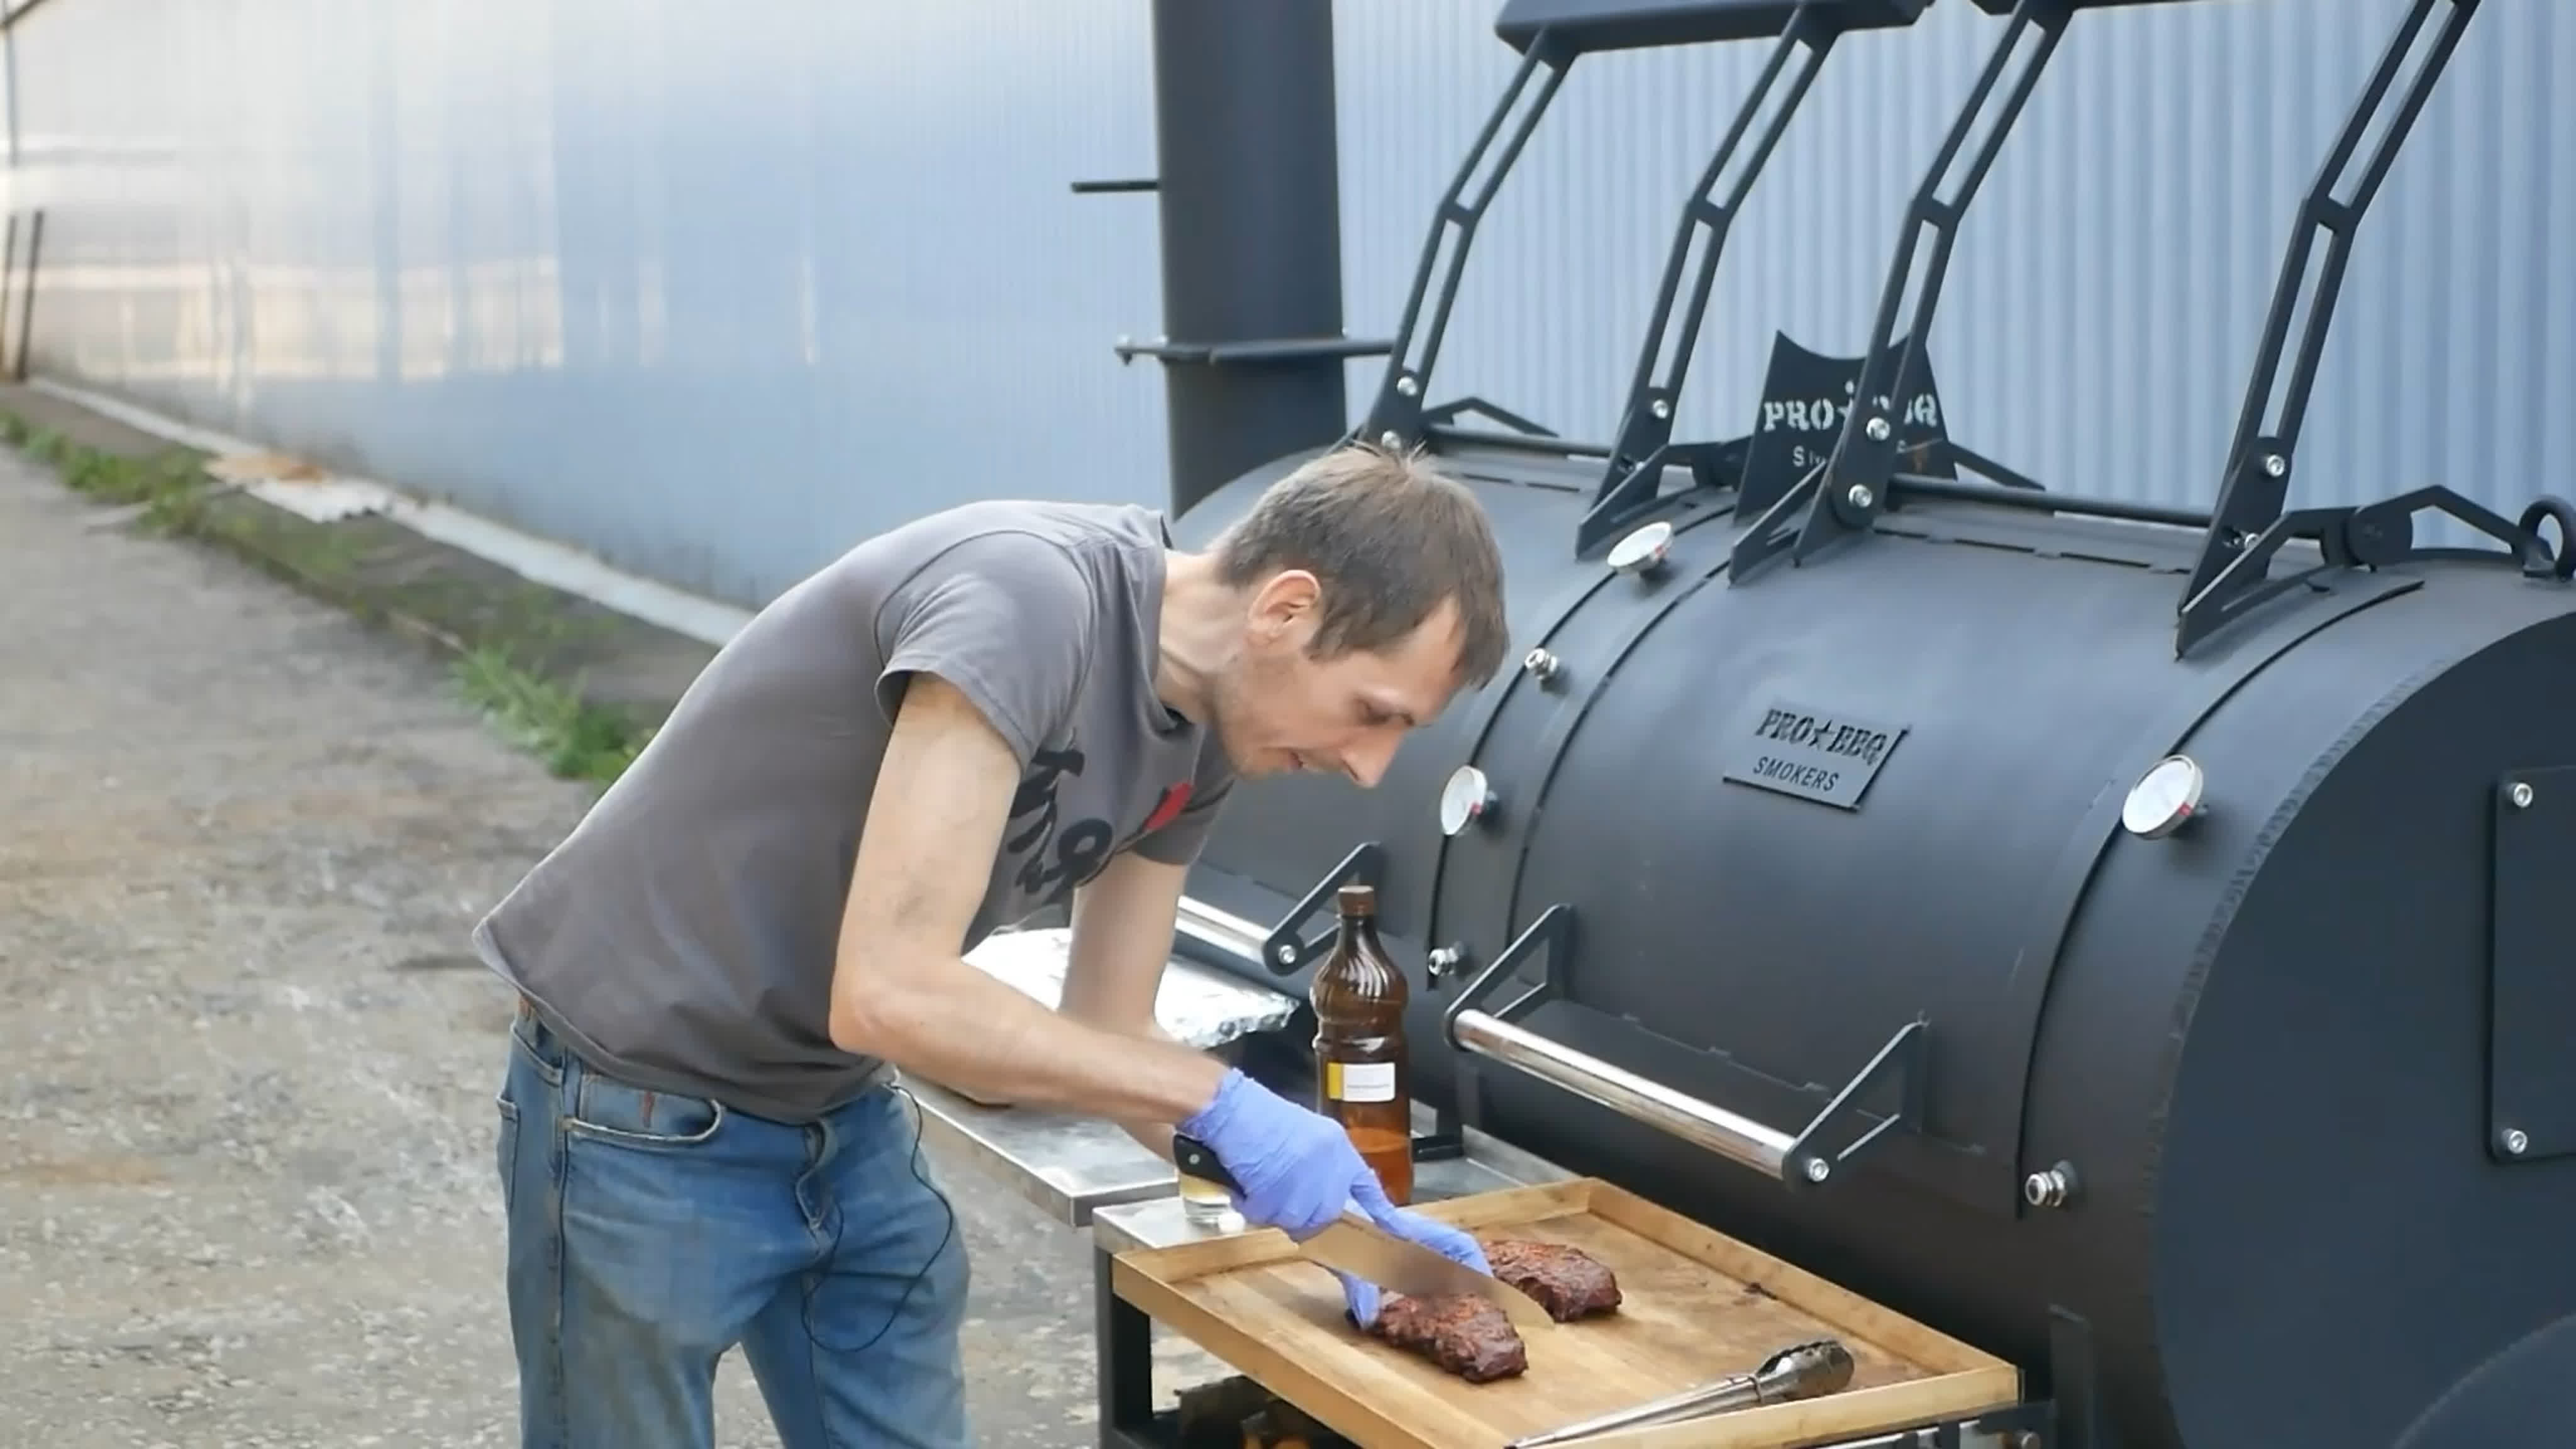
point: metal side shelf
(1071, 1166)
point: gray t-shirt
(683, 935)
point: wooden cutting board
(1697, 1306)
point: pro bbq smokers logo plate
(1814, 754)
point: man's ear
(1285, 604)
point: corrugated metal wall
(715, 292)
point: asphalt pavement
(247, 1065)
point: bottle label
(1359, 1081)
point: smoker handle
(1738, 1138)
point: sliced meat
(1568, 1282)
(1465, 1335)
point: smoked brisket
(1568, 1282)
(1465, 1335)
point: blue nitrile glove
(1451, 1243)
(1297, 1168)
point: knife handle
(1193, 1159)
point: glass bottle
(1361, 1076)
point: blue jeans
(650, 1232)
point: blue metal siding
(714, 297)
(713, 292)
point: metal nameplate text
(1814, 754)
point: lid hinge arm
(2259, 459)
(1396, 416)
(1646, 423)
(1845, 493)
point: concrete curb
(628, 671)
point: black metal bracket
(1447, 415)
(1712, 466)
(1846, 492)
(1646, 426)
(1549, 938)
(2531, 995)
(1903, 1064)
(1100, 188)
(2373, 535)
(1238, 354)
(1286, 948)
(2259, 459)
(1122, 1336)
(1396, 416)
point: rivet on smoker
(2050, 1187)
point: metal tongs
(1802, 1371)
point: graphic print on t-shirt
(1167, 809)
(1056, 860)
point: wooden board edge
(1203, 1257)
(1504, 1207)
(1260, 1247)
(1918, 1343)
(1884, 1409)
(1313, 1394)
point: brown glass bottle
(1362, 1079)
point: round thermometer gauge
(2165, 798)
(1642, 549)
(1463, 799)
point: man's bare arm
(1122, 941)
(900, 988)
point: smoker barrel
(2154, 980)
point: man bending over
(1001, 708)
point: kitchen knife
(1361, 1248)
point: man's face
(1281, 708)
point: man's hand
(1295, 1168)
(900, 988)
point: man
(998, 709)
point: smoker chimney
(1251, 236)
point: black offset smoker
(2114, 934)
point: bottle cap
(1357, 899)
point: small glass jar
(1206, 1205)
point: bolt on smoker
(2113, 933)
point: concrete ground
(246, 1069)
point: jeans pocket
(605, 1109)
(505, 1148)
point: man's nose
(1367, 760)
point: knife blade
(1361, 1248)
(1372, 1254)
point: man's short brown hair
(1389, 536)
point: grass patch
(547, 717)
(494, 645)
